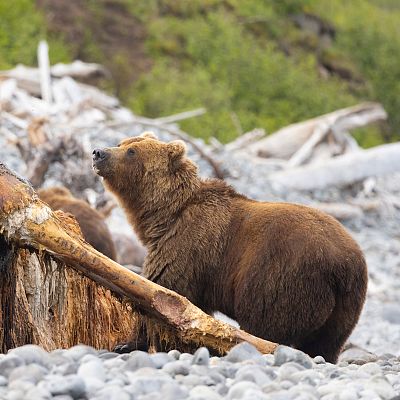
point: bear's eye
(131, 152)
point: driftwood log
(301, 142)
(342, 170)
(26, 221)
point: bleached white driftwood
(296, 142)
(342, 170)
(78, 70)
(181, 116)
(245, 139)
(44, 71)
(340, 211)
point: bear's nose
(99, 154)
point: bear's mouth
(98, 167)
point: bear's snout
(99, 155)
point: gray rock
(186, 357)
(112, 392)
(15, 395)
(9, 362)
(108, 355)
(92, 369)
(391, 313)
(147, 380)
(172, 391)
(240, 389)
(139, 359)
(176, 368)
(21, 385)
(284, 354)
(75, 353)
(61, 397)
(72, 385)
(196, 380)
(357, 356)
(252, 373)
(319, 360)
(32, 354)
(370, 369)
(201, 357)
(242, 352)
(40, 393)
(160, 359)
(31, 373)
(309, 376)
(204, 393)
(381, 387)
(174, 354)
(287, 370)
(3, 380)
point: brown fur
(285, 272)
(91, 222)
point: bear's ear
(149, 135)
(176, 150)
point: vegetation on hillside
(250, 63)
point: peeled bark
(26, 220)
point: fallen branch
(342, 170)
(180, 117)
(44, 71)
(297, 142)
(26, 220)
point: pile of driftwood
(50, 118)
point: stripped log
(341, 171)
(297, 142)
(25, 220)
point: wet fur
(286, 272)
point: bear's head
(145, 168)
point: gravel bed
(81, 372)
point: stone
(112, 392)
(9, 362)
(391, 313)
(252, 373)
(204, 393)
(160, 359)
(108, 355)
(176, 368)
(174, 354)
(358, 356)
(92, 368)
(239, 389)
(201, 357)
(32, 354)
(75, 353)
(287, 370)
(370, 369)
(186, 357)
(319, 360)
(173, 391)
(31, 373)
(381, 386)
(40, 393)
(3, 380)
(139, 359)
(72, 385)
(284, 354)
(243, 352)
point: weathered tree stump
(45, 302)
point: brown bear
(91, 222)
(286, 272)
